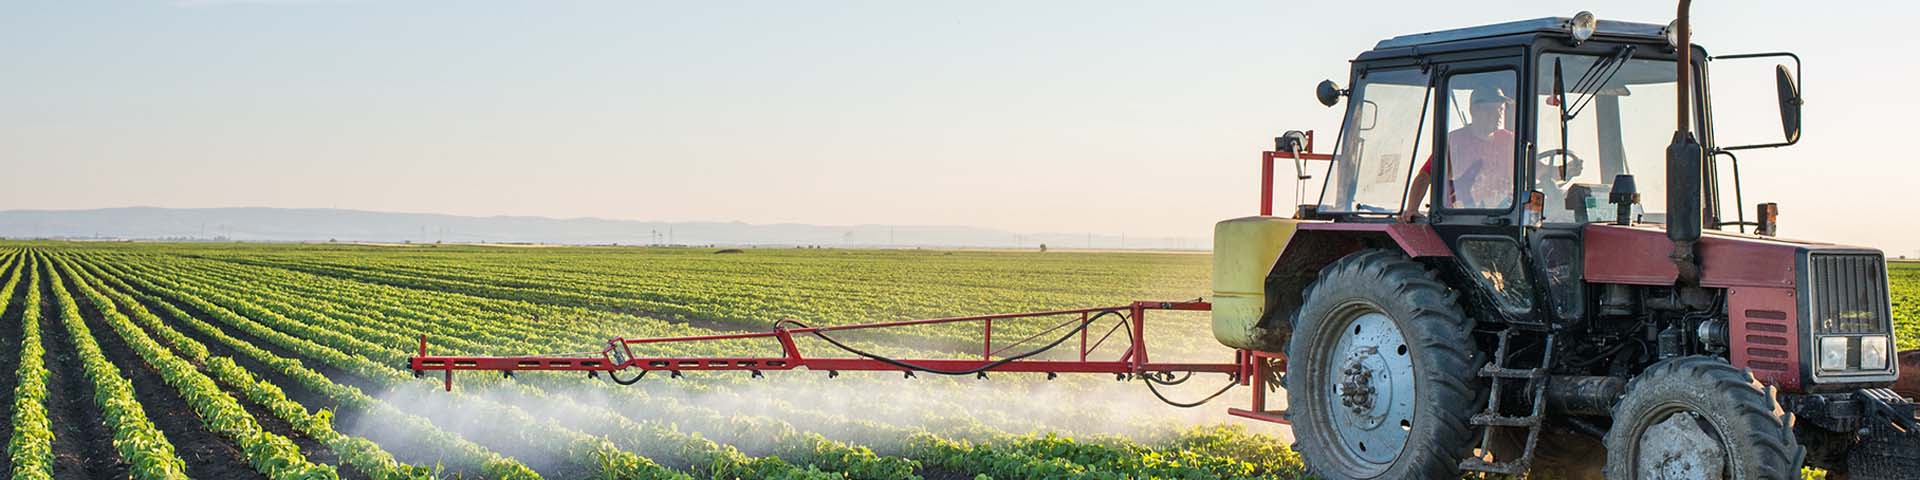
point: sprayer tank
(1244, 251)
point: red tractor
(1484, 286)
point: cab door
(1479, 192)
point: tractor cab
(1526, 123)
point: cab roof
(1548, 25)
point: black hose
(1150, 380)
(615, 375)
(971, 371)
(1231, 382)
(1170, 380)
(1203, 401)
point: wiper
(1590, 82)
(1597, 75)
(1560, 97)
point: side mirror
(1329, 93)
(1789, 103)
(1787, 89)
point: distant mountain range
(321, 225)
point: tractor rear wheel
(1381, 378)
(1699, 417)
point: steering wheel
(1574, 165)
(1546, 169)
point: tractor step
(1506, 421)
(1501, 468)
(1535, 385)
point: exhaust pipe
(1683, 163)
(1908, 385)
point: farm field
(288, 361)
(285, 361)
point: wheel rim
(1371, 403)
(1681, 444)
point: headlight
(1833, 353)
(1673, 33)
(1582, 26)
(1873, 353)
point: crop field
(160, 361)
(265, 361)
(1904, 285)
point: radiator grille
(1849, 293)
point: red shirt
(1482, 169)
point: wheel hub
(1357, 392)
(1371, 404)
(1680, 447)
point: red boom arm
(1247, 368)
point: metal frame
(1266, 171)
(1258, 366)
(618, 354)
(1798, 77)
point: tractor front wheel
(1381, 378)
(1699, 417)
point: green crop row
(362, 454)
(272, 455)
(466, 453)
(135, 437)
(858, 463)
(583, 450)
(708, 457)
(31, 447)
(823, 452)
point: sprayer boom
(1128, 321)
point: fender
(1320, 243)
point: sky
(1111, 117)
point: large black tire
(1439, 344)
(1755, 435)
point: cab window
(1385, 114)
(1618, 119)
(1480, 141)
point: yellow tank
(1244, 250)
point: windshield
(1621, 122)
(1386, 114)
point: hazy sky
(1102, 116)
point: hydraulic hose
(1163, 398)
(1231, 382)
(1151, 381)
(970, 371)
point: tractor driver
(1480, 155)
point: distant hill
(319, 225)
